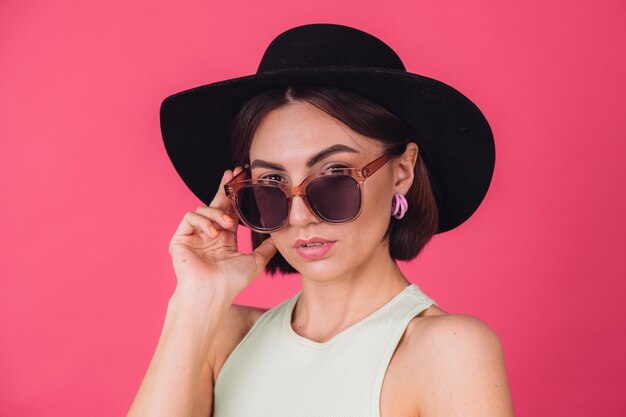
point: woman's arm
(210, 273)
(173, 377)
(464, 372)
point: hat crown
(325, 44)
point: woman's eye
(274, 177)
(336, 167)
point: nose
(300, 215)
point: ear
(404, 168)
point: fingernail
(227, 218)
(212, 230)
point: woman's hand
(204, 248)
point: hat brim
(454, 137)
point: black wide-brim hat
(454, 138)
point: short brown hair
(408, 235)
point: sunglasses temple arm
(375, 165)
(228, 187)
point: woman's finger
(263, 253)
(225, 220)
(221, 200)
(193, 222)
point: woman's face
(289, 137)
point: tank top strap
(411, 302)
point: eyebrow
(325, 153)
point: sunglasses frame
(358, 174)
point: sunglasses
(333, 196)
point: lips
(315, 252)
(301, 242)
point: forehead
(292, 133)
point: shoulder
(460, 363)
(434, 334)
(240, 318)
(236, 323)
(455, 331)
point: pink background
(90, 200)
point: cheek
(373, 221)
(376, 210)
(281, 241)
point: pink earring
(399, 206)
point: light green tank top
(275, 372)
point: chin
(322, 269)
(334, 263)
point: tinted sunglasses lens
(263, 206)
(335, 198)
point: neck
(328, 306)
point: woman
(322, 169)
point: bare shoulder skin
(453, 364)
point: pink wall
(90, 200)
